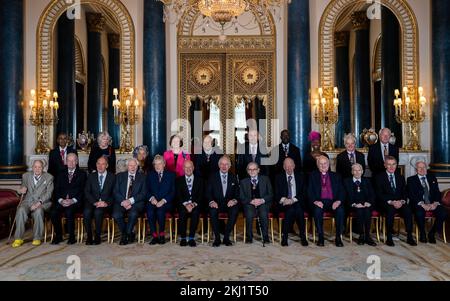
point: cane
(14, 222)
(260, 228)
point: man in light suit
(129, 199)
(256, 196)
(98, 193)
(37, 186)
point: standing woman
(103, 148)
(310, 162)
(176, 156)
(141, 154)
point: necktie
(289, 187)
(36, 180)
(207, 157)
(70, 176)
(160, 177)
(286, 151)
(426, 191)
(352, 158)
(386, 152)
(253, 153)
(224, 184)
(63, 152)
(254, 183)
(130, 187)
(189, 184)
(101, 182)
(391, 180)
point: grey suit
(42, 191)
(263, 191)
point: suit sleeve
(277, 189)
(341, 193)
(268, 197)
(245, 199)
(371, 197)
(140, 197)
(371, 159)
(310, 190)
(80, 191)
(116, 191)
(380, 191)
(113, 161)
(87, 191)
(47, 196)
(171, 192)
(179, 199)
(201, 193)
(411, 193)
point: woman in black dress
(103, 148)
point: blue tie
(289, 187)
(101, 182)
(391, 180)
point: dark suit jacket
(366, 193)
(384, 191)
(139, 191)
(96, 153)
(293, 153)
(310, 164)
(92, 191)
(75, 189)
(165, 189)
(243, 159)
(315, 187)
(415, 190)
(281, 188)
(343, 165)
(55, 164)
(375, 157)
(182, 191)
(265, 190)
(214, 191)
(203, 168)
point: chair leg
(209, 229)
(113, 228)
(306, 228)
(417, 232)
(45, 230)
(377, 221)
(144, 226)
(81, 229)
(443, 232)
(350, 227)
(314, 229)
(280, 222)
(332, 226)
(108, 228)
(202, 228)
(176, 229)
(271, 229)
(170, 229)
(245, 236)
(235, 233)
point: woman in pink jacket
(175, 157)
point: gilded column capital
(341, 38)
(114, 40)
(95, 22)
(360, 20)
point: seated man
(161, 192)
(290, 196)
(391, 193)
(325, 193)
(361, 198)
(256, 196)
(98, 193)
(424, 196)
(129, 199)
(69, 193)
(222, 193)
(190, 192)
(37, 186)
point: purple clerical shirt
(327, 191)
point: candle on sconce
(115, 92)
(131, 92)
(48, 93)
(136, 103)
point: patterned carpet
(240, 262)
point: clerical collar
(254, 145)
(323, 174)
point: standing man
(391, 193)
(349, 157)
(326, 194)
(99, 197)
(37, 186)
(69, 195)
(256, 196)
(222, 194)
(254, 152)
(57, 157)
(424, 196)
(129, 199)
(190, 192)
(379, 151)
(207, 162)
(287, 150)
(290, 197)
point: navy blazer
(415, 189)
(75, 189)
(203, 168)
(197, 194)
(165, 189)
(214, 190)
(281, 188)
(55, 164)
(92, 189)
(139, 191)
(315, 187)
(244, 157)
(365, 194)
(344, 166)
(384, 191)
(293, 153)
(375, 157)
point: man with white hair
(380, 150)
(69, 195)
(350, 156)
(424, 198)
(37, 186)
(129, 199)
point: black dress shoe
(304, 241)
(154, 241)
(431, 238)
(98, 240)
(361, 240)
(123, 240)
(390, 242)
(249, 241)
(423, 238)
(183, 243)
(131, 238)
(370, 242)
(266, 241)
(56, 240)
(162, 240)
(320, 242)
(227, 242)
(338, 242)
(216, 243)
(71, 241)
(89, 241)
(192, 243)
(284, 242)
(411, 241)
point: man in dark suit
(424, 196)
(391, 194)
(130, 193)
(325, 193)
(207, 162)
(161, 192)
(379, 151)
(58, 155)
(99, 197)
(290, 197)
(348, 157)
(190, 193)
(287, 150)
(361, 199)
(222, 194)
(69, 194)
(256, 196)
(253, 151)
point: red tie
(63, 152)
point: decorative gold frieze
(360, 20)
(95, 22)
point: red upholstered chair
(375, 217)
(144, 221)
(176, 217)
(9, 200)
(222, 216)
(282, 216)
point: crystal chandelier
(222, 11)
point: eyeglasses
(252, 169)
